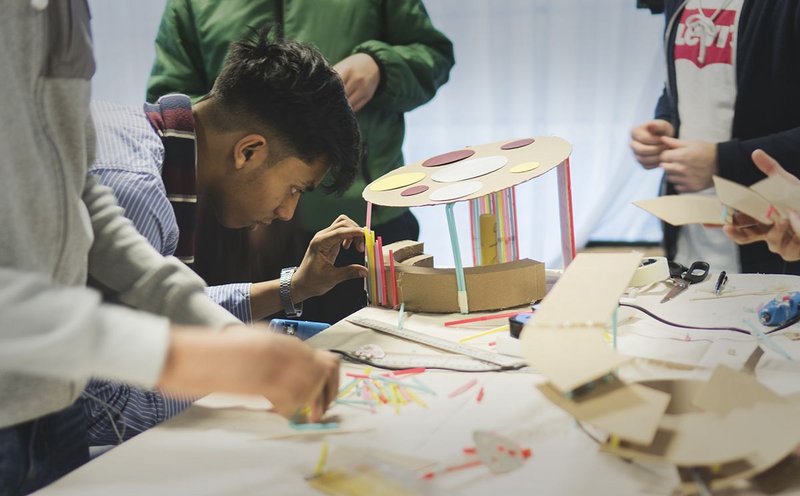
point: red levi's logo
(717, 38)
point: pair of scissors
(683, 277)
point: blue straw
(768, 341)
(462, 287)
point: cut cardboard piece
(779, 191)
(743, 199)
(548, 151)
(569, 357)
(491, 287)
(728, 390)
(632, 412)
(754, 201)
(588, 291)
(680, 210)
(761, 436)
(403, 250)
(422, 260)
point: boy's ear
(250, 150)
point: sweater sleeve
(736, 164)
(123, 261)
(414, 57)
(67, 333)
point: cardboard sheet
(589, 290)
(780, 192)
(631, 412)
(743, 199)
(569, 357)
(680, 210)
(728, 390)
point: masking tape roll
(651, 270)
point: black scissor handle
(697, 272)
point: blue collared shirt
(128, 160)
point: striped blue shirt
(128, 160)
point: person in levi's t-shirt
(733, 85)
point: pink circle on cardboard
(415, 190)
(511, 145)
(448, 158)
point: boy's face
(262, 192)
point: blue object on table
(302, 329)
(780, 310)
(517, 322)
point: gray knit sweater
(57, 228)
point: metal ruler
(442, 361)
(434, 342)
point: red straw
(484, 317)
(454, 468)
(394, 279)
(369, 216)
(417, 370)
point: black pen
(723, 278)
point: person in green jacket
(391, 59)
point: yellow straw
(415, 399)
(484, 333)
(323, 457)
(369, 240)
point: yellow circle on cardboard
(397, 181)
(524, 167)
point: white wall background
(584, 70)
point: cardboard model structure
(493, 287)
(465, 174)
(716, 433)
(760, 201)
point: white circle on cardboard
(453, 191)
(468, 169)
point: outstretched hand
(317, 273)
(782, 237)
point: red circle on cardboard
(415, 190)
(517, 144)
(448, 158)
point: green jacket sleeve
(178, 66)
(414, 57)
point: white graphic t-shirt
(705, 69)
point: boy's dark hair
(290, 88)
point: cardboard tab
(680, 210)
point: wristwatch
(289, 307)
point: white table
(231, 445)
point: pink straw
(369, 215)
(384, 297)
(463, 388)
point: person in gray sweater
(60, 228)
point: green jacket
(414, 59)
